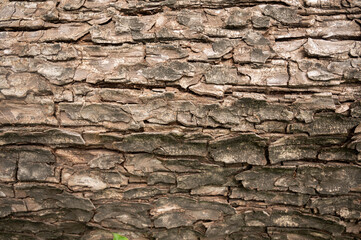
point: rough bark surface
(191, 119)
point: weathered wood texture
(191, 119)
